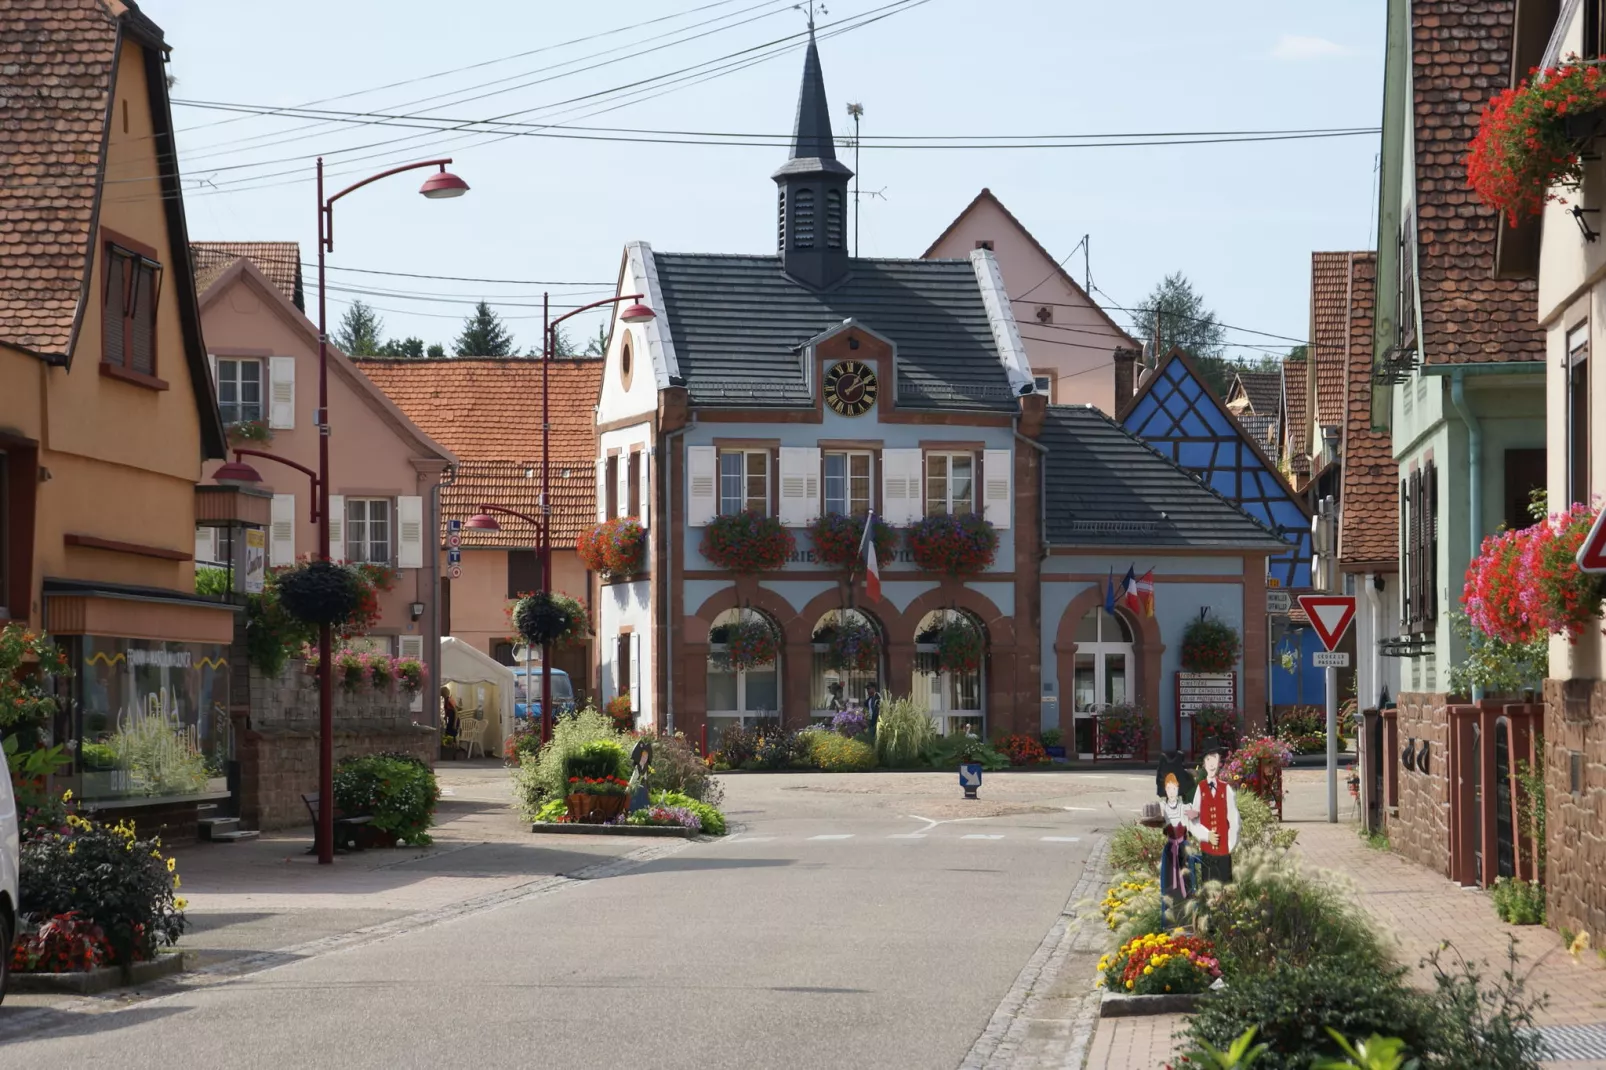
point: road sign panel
(1591, 555)
(454, 556)
(1330, 615)
(970, 775)
(454, 525)
(457, 572)
(453, 541)
(1330, 659)
(1278, 602)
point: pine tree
(483, 335)
(1184, 323)
(359, 331)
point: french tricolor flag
(872, 568)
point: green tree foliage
(597, 345)
(359, 332)
(435, 350)
(411, 348)
(484, 335)
(1183, 322)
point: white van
(10, 850)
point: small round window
(624, 362)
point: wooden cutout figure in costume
(640, 766)
(1175, 784)
(1217, 827)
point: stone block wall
(1575, 820)
(1420, 828)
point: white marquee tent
(482, 688)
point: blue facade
(1183, 419)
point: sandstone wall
(1420, 830)
(1575, 820)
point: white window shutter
(410, 531)
(282, 392)
(624, 483)
(412, 646)
(211, 362)
(635, 672)
(205, 545)
(602, 490)
(702, 485)
(337, 528)
(900, 486)
(800, 467)
(997, 468)
(645, 490)
(282, 530)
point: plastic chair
(470, 734)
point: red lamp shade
(442, 185)
(237, 471)
(638, 313)
(482, 522)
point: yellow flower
(1129, 984)
(172, 864)
(175, 880)
(181, 903)
(66, 796)
(1148, 969)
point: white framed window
(849, 475)
(950, 484)
(368, 531)
(1103, 673)
(955, 699)
(1043, 384)
(739, 696)
(744, 482)
(239, 389)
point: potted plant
(1528, 139)
(1216, 724)
(851, 644)
(747, 542)
(319, 592)
(545, 619)
(597, 800)
(616, 548)
(250, 431)
(381, 671)
(1257, 767)
(750, 642)
(1053, 742)
(956, 545)
(959, 646)
(1526, 583)
(1209, 645)
(1122, 732)
(839, 539)
(352, 669)
(410, 674)
(619, 709)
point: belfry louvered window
(780, 223)
(803, 219)
(833, 219)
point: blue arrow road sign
(970, 775)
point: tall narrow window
(128, 310)
(950, 483)
(611, 487)
(1578, 414)
(239, 389)
(633, 485)
(368, 531)
(523, 572)
(803, 219)
(833, 219)
(847, 483)
(780, 225)
(744, 482)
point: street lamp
(634, 313)
(437, 186)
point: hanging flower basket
(1527, 142)
(749, 643)
(838, 540)
(1526, 584)
(319, 592)
(554, 620)
(616, 547)
(851, 645)
(747, 542)
(957, 545)
(959, 647)
(1209, 645)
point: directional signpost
(970, 778)
(1330, 615)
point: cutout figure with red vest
(1217, 824)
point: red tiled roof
(279, 262)
(56, 59)
(1294, 430)
(1462, 59)
(1368, 519)
(1329, 286)
(488, 412)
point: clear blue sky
(1239, 220)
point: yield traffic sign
(1591, 555)
(1330, 615)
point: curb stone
(88, 982)
(1121, 1005)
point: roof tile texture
(1329, 286)
(55, 72)
(488, 412)
(1368, 520)
(279, 262)
(1264, 391)
(1462, 59)
(1294, 394)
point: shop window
(744, 482)
(848, 478)
(833, 689)
(239, 389)
(950, 484)
(739, 696)
(955, 698)
(368, 531)
(128, 310)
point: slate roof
(1264, 391)
(1329, 288)
(738, 324)
(1368, 520)
(1462, 60)
(56, 59)
(488, 412)
(1107, 487)
(279, 262)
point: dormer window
(833, 219)
(803, 219)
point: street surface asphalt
(871, 920)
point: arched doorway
(835, 684)
(1102, 675)
(956, 698)
(741, 694)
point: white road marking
(982, 836)
(1083, 809)
(1062, 839)
(834, 836)
(750, 839)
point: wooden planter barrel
(596, 809)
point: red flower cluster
(598, 785)
(1022, 750)
(1526, 583)
(747, 542)
(65, 943)
(619, 709)
(1198, 951)
(957, 545)
(617, 547)
(1522, 147)
(837, 539)
(1209, 645)
(959, 647)
(749, 643)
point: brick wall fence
(1420, 830)
(1575, 804)
(276, 743)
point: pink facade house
(1071, 342)
(384, 471)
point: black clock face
(850, 388)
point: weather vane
(809, 7)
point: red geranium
(957, 545)
(1523, 147)
(1022, 750)
(617, 547)
(1526, 583)
(838, 539)
(747, 542)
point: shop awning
(78, 607)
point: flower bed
(616, 547)
(1157, 963)
(747, 542)
(1022, 750)
(957, 545)
(1209, 645)
(1524, 147)
(397, 789)
(665, 817)
(838, 539)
